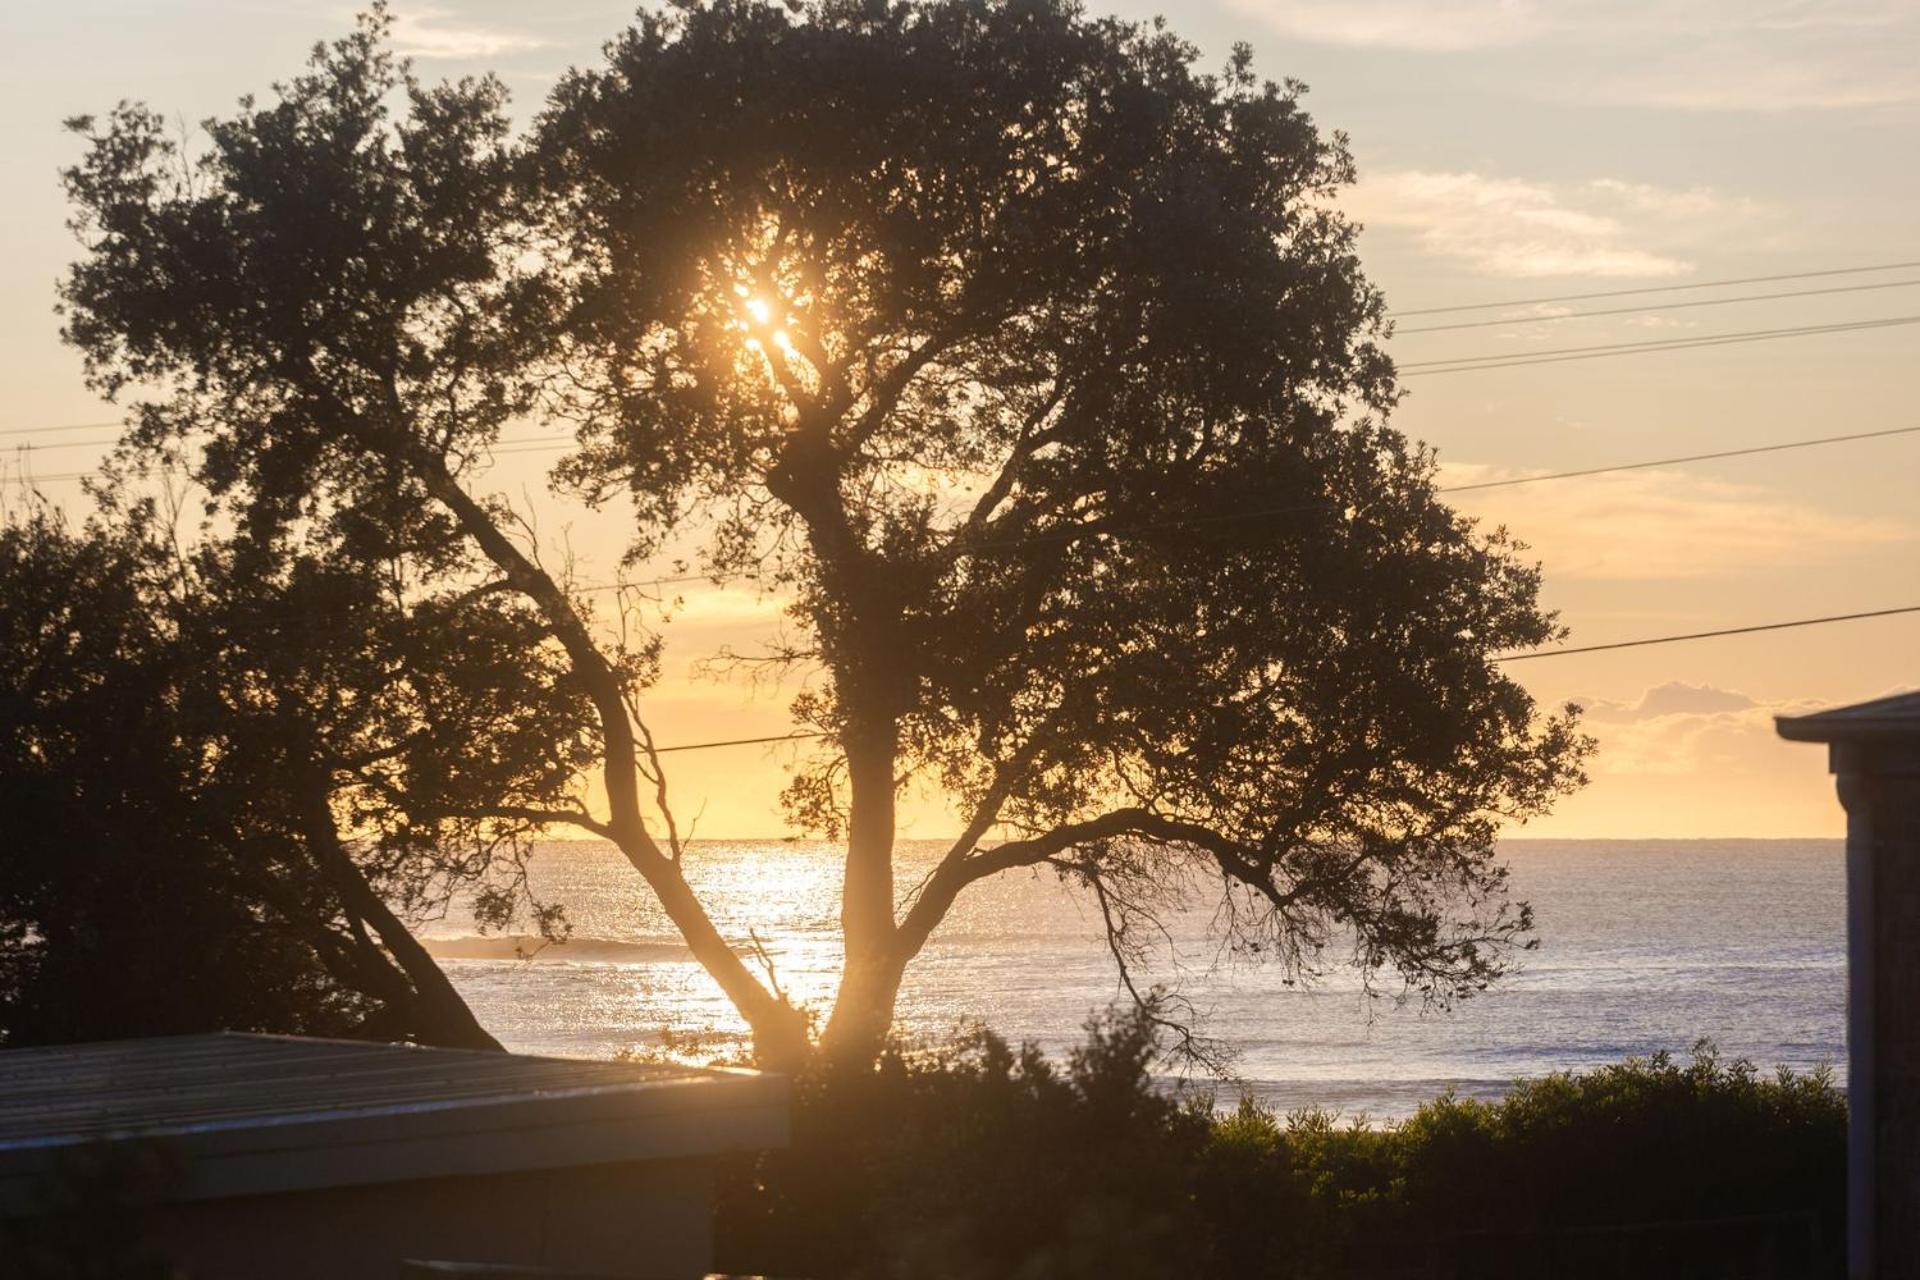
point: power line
(740, 742)
(1262, 512)
(1508, 657)
(1457, 307)
(52, 476)
(1658, 306)
(1665, 288)
(1407, 369)
(1706, 635)
(1474, 364)
(1789, 330)
(72, 426)
(658, 582)
(537, 444)
(1677, 461)
(526, 446)
(1296, 508)
(1503, 657)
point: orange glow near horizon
(1505, 161)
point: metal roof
(257, 1113)
(1897, 716)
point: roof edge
(1882, 719)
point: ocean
(1645, 946)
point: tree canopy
(1037, 366)
(229, 783)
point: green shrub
(974, 1159)
(1647, 1167)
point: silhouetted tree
(125, 906)
(224, 782)
(1038, 366)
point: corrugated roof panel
(90, 1090)
(256, 1113)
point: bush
(1646, 1167)
(973, 1159)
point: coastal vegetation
(179, 853)
(976, 1158)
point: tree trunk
(870, 979)
(780, 1040)
(863, 1010)
(438, 1014)
(779, 1030)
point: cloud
(705, 605)
(1680, 729)
(433, 33)
(1702, 55)
(1684, 745)
(1739, 55)
(1665, 202)
(1674, 698)
(1731, 741)
(1736, 77)
(1697, 761)
(1516, 227)
(1644, 525)
(1429, 26)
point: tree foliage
(971, 1157)
(1037, 365)
(229, 783)
(124, 908)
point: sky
(1507, 150)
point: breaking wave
(526, 946)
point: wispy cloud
(1747, 75)
(1643, 525)
(1685, 760)
(1684, 731)
(1675, 698)
(433, 33)
(1704, 55)
(704, 605)
(1433, 26)
(1516, 227)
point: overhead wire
(1524, 656)
(1453, 308)
(1562, 355)
(1294, 508)
(1462, 364)
(542, 442)
(1531, 654)
(739, 742)
(1662, 288)
(1657, 306)
(71, 426)
(1681, 459)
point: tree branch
(1031, 439)
(522, 813)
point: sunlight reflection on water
(1645, 945)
